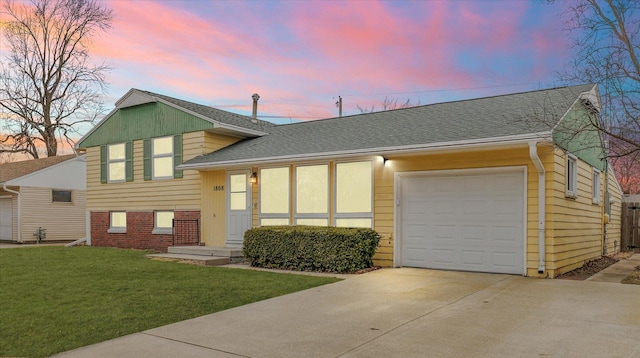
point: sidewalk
(618, 271)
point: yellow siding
(63, 221)
(254, 202)
(212, 142)
(205, 142)
(384, 189)
(574, 225)
(171, 194)
(615, 219)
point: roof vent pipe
(254, 115)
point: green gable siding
(576, 135)
(144, 121)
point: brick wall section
(139, 231)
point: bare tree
(627, 170)
(48, 87)
(606, 44)
(389, 104)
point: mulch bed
(633, 278)
(594, 266)
(590, 268)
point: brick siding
(139, 231)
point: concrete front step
(196, 259)
(206, 251)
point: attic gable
(133, 98)
(143, 114)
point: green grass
(54, 299)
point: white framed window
(162, 157)
(571, 176)
(117, 222)
(163, 222)
(116, 158)
(61, 196)
(596, 182)
(274, 196)
(312, 195)
(354, 194)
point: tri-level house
(516, 183)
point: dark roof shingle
(450, 122)
(216, 114)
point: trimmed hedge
(311, 248)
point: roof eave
(507, 141)
(592, 94)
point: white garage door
(5, 219)
(472, 221)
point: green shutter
(128, 160)
(147, 159)
(177, 155)
(103, 164)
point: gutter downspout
(4, 187)
(533, 154)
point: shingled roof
(215, 114)
(494, 118)
(13, 170)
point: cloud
(301, 55)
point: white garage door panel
(471, 222)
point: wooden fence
(630, 226)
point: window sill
(112, 230)
(570, 196)
(162, 231)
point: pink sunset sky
(301, 55)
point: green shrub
(311, 248)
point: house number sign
(218, 188)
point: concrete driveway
(409, 313)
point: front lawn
(54, 299)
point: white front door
(6, 231)
(238, 206)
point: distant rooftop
(9, 171)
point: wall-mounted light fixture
(253, 179)
(384, 160)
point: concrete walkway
(409, 313)
(618, 271)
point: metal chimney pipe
(254, 115)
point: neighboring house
(493, 184)
(48, 194)
(631, 198)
